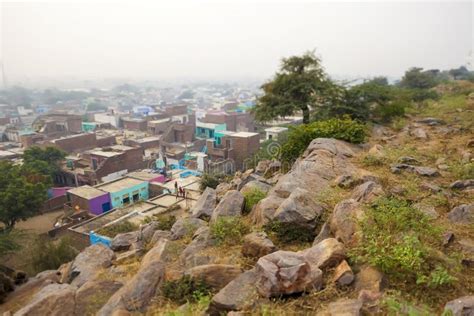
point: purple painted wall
(95, 204)
(160, 178)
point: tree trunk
(305, 114)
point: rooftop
(119, 184)
(86, 192)
(276, 129)
(143, 175)
(244, 134)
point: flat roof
(6, 153)
(105, 153)
(207, 125)
(244, 134)
(119, 184)
(276, 129)
(148, 139)
(159, 121)
(143, 175)
(87, 192)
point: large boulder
(328, 253)
(323, 161)
(256, 245)
(462, 306)
(462, 214)
(53, 300)
(255, 185)
(367, 192)
(215, 275)
(205, 204)
(136, 294)
(93, 294)
(299, 209)
(123, 241)
(286, 272)
(231, 204)
(239, 294)
(90, 262)
(324, 233)
(344, 221)
(191, 255)
(222, 188)
(186, 226)
(160, 234)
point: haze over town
(55, 43)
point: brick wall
(135, 125)
(77, 143)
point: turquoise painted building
(125, 191)
(209, 130)
(88, 126)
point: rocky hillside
(382, 228)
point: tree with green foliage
(416, 78)
(44, 161)
(21, 196)
(300, 85)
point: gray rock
(462, 306)
(428, 210)
(186, 226)
(215, 275)
(231, 204)
(256, 245)
(419, 133)
(462, 184)
(255, 185)
(222, 189)
(345, 307)
(467, 245)
(299, 209)
(239, 294)
(286, 272)
(160, 234)
(262, 166)
(136, 294)
(324, 233)
(367, 191)
(408, 160)
(346, 181)
(52, 300)
(462, 214)
(344, 221)
(328, 253)
(123, 241)
(370, 279)
(205, 204)
(191, 255)
(148, 230)
(93, 294)
(432, 121)
(422, 171)
(343, 274)
(89, 262)
(433, 188)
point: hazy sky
(231, 40)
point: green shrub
(462, 171)
(289, 232)
(398, 239)
(252, 197)
(299, 137)
(50, 254)
(387, 112)
(211, 180)
(9, 241)
(228, 230)
(185, 289)
(119, 228)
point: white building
(273, 132)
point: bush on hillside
(289, 232)
(211, 180)
(228, 230)
(251, 198)
(398, 238)
(299, 137)
(387, 112)
(185, 290)
(50, 254)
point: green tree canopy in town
(21, 196)
(300, 85)
(44, 161)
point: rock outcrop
(215, 275)
(205, 204)
(186, 226)
(462, 214)
(257, 244)
(231, 204)
(53, 299)
(89, 262)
